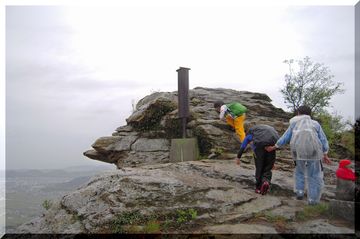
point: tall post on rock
(183, 97)
(183, 149)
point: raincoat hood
(343, 163)
(343, 172)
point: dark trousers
(264, 162)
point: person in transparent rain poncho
(309, 146)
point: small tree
(332, 125)
(311, 84)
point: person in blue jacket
(261, 136)
(308, 145)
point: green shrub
(348, 140)
(274, 218)
(184, 216)
(134, 222)
(47, 204)
(126, 218)
(338, 132)
(192, 213)
(152, 226)
(218, 150)
(311, 211)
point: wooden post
(184, 149)
(183, 97)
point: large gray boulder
(155, 121)
(160, 189)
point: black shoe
(300, 197)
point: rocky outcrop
(206, 196)
(146, 137)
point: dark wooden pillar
(183, 97)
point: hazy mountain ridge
(26, 190)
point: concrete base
(184, 150)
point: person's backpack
(236, 109)
(304, 143)
(263, 135)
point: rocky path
(206, 196)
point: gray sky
(72, 72)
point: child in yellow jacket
(234, 113)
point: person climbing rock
(234, 114)
(260, 136)
(308, 145)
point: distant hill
(27, 189)
(67, 186)
(65, 172)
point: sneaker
(299, 194)
(264, 187)
(299, 197)
(257, 191)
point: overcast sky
(72, 72)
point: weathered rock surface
(322, 226)
(221, 193)
(343, 209)
(240, 229)
(285, 211)
(155, 122)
